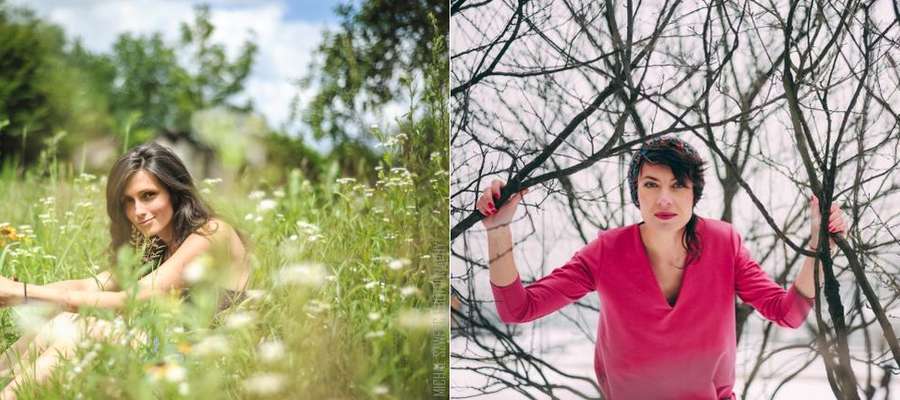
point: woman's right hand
(486, 206)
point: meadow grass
(342, 300)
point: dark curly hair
(686, 165)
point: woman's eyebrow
(140, 192)
(655, 179)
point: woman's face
(148, 206)
(665, 204)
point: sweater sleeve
(517, 303)
(786, 308)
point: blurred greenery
(380, 49)
(55, 94)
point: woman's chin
(671, 224)
(148, 231)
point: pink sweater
(647, 349)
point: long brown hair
(189, 211)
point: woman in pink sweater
(666, 285)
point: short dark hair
(686, 164)
(674, 153)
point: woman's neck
(659, 242)
(166, 235)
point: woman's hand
(487, 207)
(835, 222)
(11, 292)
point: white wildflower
(264, 384)
(212, 345)
(347, 180)
(374, 334)
(435, 318)
(240, 319)
(380, 390)
(374, 316)
(256, 195)
(407, 291)
(30, 317)
(271, 351)
(315, 307)
(305, 274)
(196, 269)
(279, 193)
(175, 373)
(399, 263)
(308, 228)
(255, 294)
(266, 205)
(86, 177)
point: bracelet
(25, 289)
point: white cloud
(284, 47)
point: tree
(380, 48)
(153, 84)
(54, 95)
(787, 100)
(39, 89)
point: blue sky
(296, 10)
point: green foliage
(360, 65)
(40, 93)
(48, 85)
(150, 82)
(165, 93)
(287, 152)
(215, 79)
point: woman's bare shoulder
(215, 229)
(213, 226)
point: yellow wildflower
(9, 232)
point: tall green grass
(343, 281)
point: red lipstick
(665, 215)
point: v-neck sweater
(646, 348)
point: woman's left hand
(11, 292)
(836, 222)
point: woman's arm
(516, 303)
(805, 282)
(165, 278)
(501, 263)
(101, 282)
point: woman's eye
(678, 186)
(649, 185)
(148, 196)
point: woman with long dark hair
(666, 285)
(153, 205)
